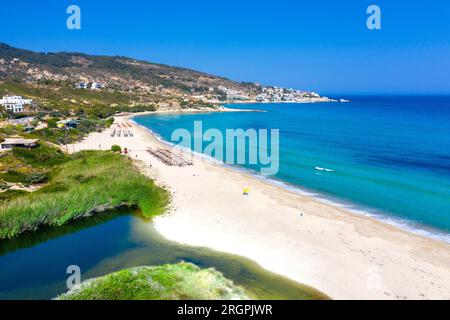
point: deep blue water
(388, 155)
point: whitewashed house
(14, 104)
(96, 86)
(81, 85)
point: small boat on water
(323, 169)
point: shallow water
(34, 265)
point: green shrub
(116, 148)
(52, 123)
(109, 122)
(36, 178)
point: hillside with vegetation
(92, 88)
(50, 79)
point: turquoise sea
(384, 156)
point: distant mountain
(131, 80)
(72, 81)
(114, 72)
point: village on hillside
(40, 100)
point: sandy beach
(345, 255)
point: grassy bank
(29, 166)
(85, 183)
(167, 282)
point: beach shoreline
(403, 224)
(130, 116)
(344, 255)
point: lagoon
(33, 266)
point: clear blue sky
(320, 45)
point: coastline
(403, 224)
(325, 248)
(130, 116)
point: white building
(14, 104)
(90, 85)
(96, 86)
(10, 143)
(81, 85)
